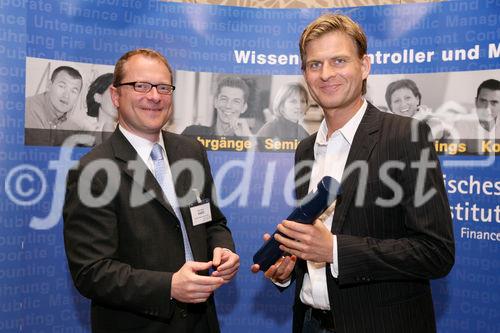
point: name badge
(200, 212)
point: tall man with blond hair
(367, 267)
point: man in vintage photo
(49, 110)
(47, 119)
(484, 121)
(230, 102)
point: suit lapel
(174, 154)
(124, 152)
(363, 143)
(307, 160)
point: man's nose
(327, 71)
(153, 94)
(486, 107)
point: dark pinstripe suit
(386, 256)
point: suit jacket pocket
(411, 297)
(106, 319)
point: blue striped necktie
(164, 178)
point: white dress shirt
(144, 148)
(330, 156)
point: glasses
(145, 87)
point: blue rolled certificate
(309, 209)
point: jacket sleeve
(425, 247)
(92, 248)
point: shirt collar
(141, 145)
(348, 130)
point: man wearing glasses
(141, 239)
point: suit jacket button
(183, 313)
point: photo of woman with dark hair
(404, 98)
(99, 104)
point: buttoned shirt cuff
(334, 266)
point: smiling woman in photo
(404, 98)
(99, 104)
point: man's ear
(115, 96)
(245, 106)
(98, 98)
(365, 66)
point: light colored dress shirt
(144, 148)
(330, 156)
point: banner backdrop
(446, 49)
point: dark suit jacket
(386, 255)
(122, 256)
